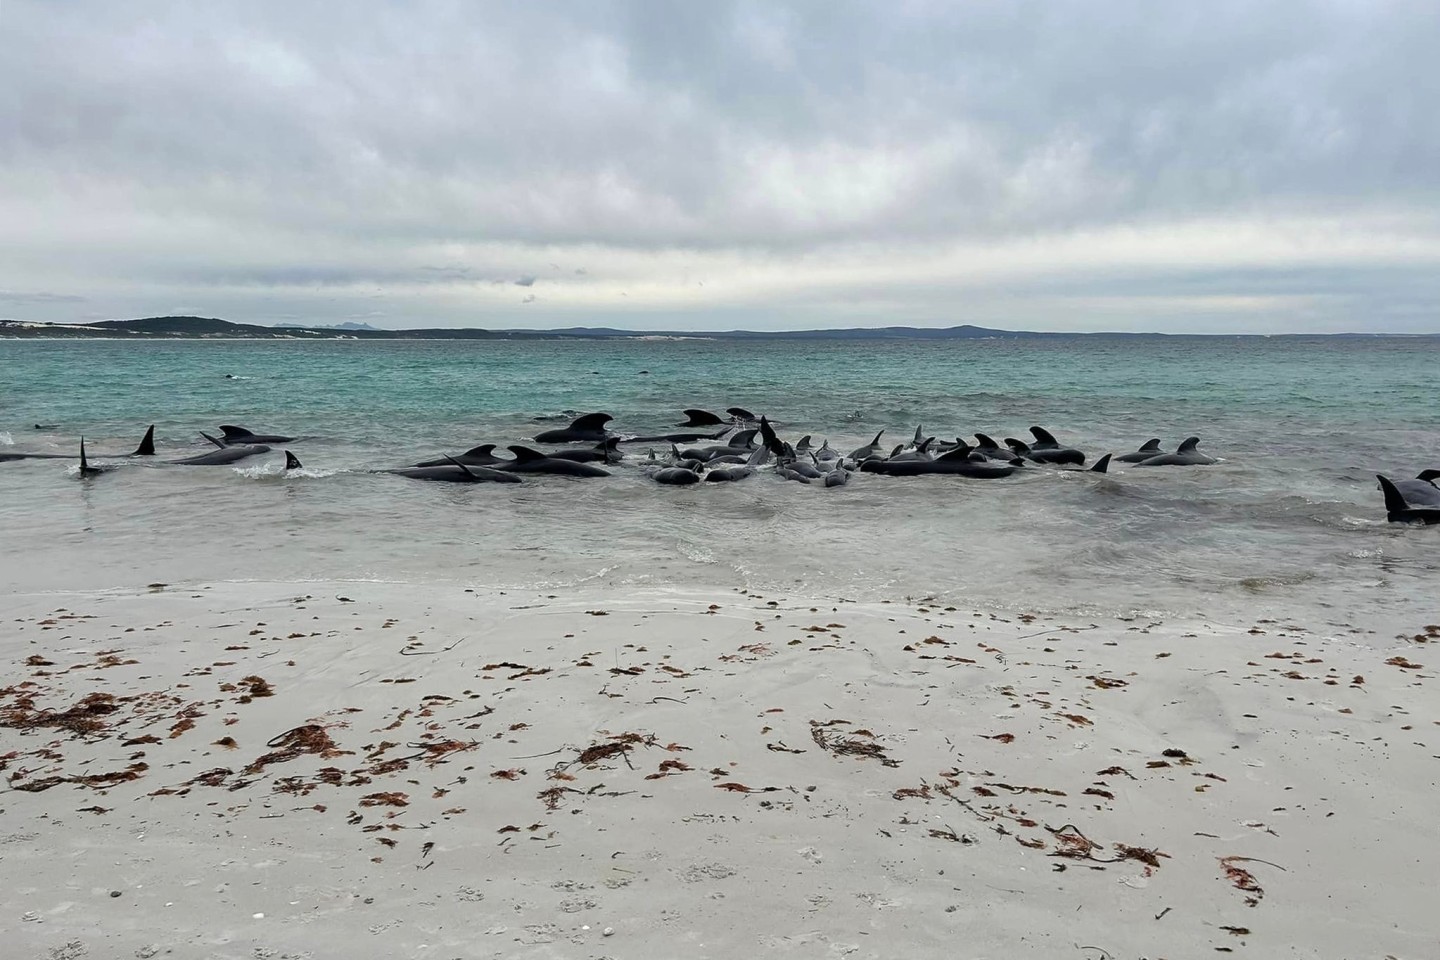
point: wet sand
(356, 769)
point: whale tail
(147, 444)
(292, 462)
(1102, 465)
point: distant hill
(211, 328)
(348, 325)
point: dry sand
(269, 770)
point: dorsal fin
(924, 445)
(760, 457)
(525, 454)
(960, 453)
(1188, 445)
(740, 413)
(292, 462)
(895, 451)
(147, 444)
(700, 418)
(591, 422)
(1429, 476)
(743, 438)
(984, 441)
(1019, 446)
(767, 434)
(919, 435)
(84, 464)
(481, 451)
(1148, 445)
(218, 443)
(607, 445)
(468, 472)
(234, 433)
(1043, 436)
(803, 443)
(876, 441)
(1395, 504)
(1102, 465)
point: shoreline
(438, 772)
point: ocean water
(1289, 526)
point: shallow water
(1288, 526)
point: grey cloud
(268, 145)
(12, 296)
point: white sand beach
(268, 770)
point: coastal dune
(372, 769)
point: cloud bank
(1114, 164)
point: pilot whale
(1185, 456)
(1150, 448)
(146, 449)
(1397, 510)
(533, 461)
(587, 429)
(232, 435)
(454, 472)
(223, 455)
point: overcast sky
(1106, 164)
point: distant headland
(210, 328)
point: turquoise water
(1289, 524)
